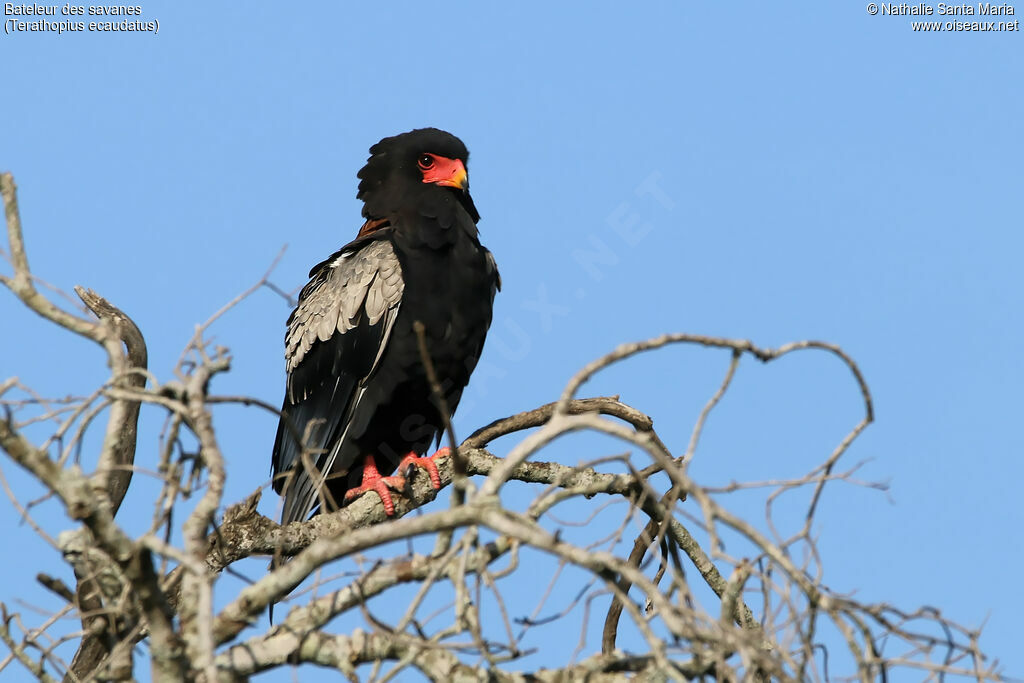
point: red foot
(427, 464)
(372, 481)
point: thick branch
(345, 653)
(124, 418)
(245, 532)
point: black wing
(336, 336)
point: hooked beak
(447, 172)
(459, 178)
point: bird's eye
(425, 161)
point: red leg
(372, 481)
(426, 463)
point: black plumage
(356, 384)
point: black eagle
(358, 404)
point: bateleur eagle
(358, 404)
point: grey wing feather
(335, 338)
(370, 280)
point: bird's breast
(450, 291)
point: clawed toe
(426, 463)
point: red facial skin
(442, 170)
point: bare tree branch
(761, 614)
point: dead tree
(675, 604)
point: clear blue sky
(826, 174)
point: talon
(426, 463)
(372, 481)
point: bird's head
(405, 169)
